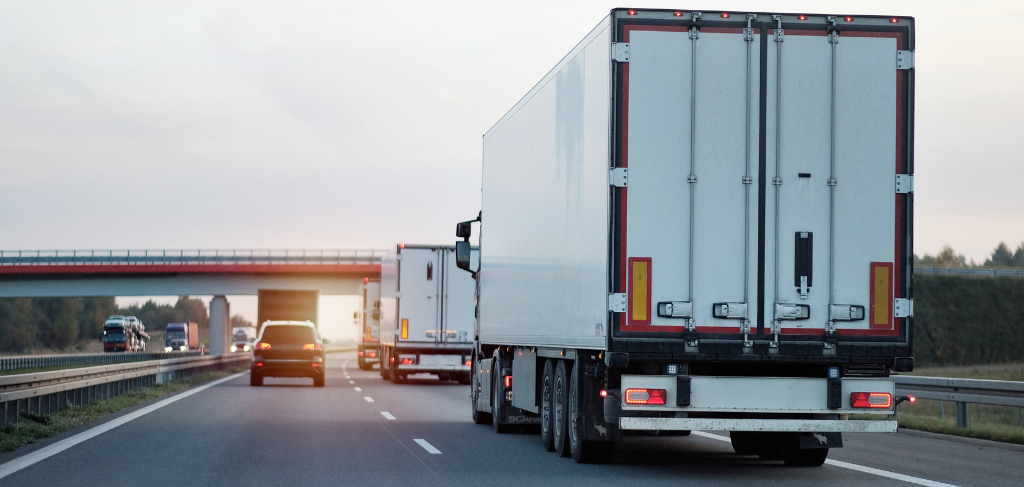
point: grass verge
(33, 427)
(984, 430)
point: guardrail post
(961, 414)
(942, 410)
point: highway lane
(288, 432)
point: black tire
(559, 407)
(814, 457)
(547, 437)
(479, 417)
(497, 401)
(466, 379)
(583, 451)
(255, 380)
(319, 381)
(397, 378)
(774, 446)
(744, 442)
(364, 365)
(385, 369)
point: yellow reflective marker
(405, 328)
(640, 291)
(881, 295)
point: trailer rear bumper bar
(780, 425)
(432, 368)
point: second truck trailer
(701, 221)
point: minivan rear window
(288, 334)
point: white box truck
(426, 314)
(701, 221)
(369, 337)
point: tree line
(63, 324)
(947, 257)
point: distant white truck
(368, 351)
(426, 314)
(701, 221)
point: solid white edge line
(427, 446)
(49, 451)
(853, 466)
(387, 415)
(368, 398)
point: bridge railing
(191, 257)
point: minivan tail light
(874, 400)
(645, 396)
(312, 346)
(263, 346)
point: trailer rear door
(419, 307)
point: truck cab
(115, 334)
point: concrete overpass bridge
(78, 273)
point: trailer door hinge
(618, 177)
(617, 302)
(902, 308)
(904, 183)
(904, 59)
(620, 52)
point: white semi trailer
(369, 337)
(426, 309)
(701, 221)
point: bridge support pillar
(220, 329)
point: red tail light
(408, 361)
(360, 354)
(259, 364)
(875, 400)
(645, 396)
(604, 393)
(372, 354)
(678, 14)
(312, 346)
(802, 17)
(848, 19)
(508, 381)
(263, 346)
(725, 15)
(315, 365)
(469, 363)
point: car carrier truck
(701, 221)
(426, 314)
(369, 337)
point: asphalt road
(290, 433)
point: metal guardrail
(962, 391)
(192, 257)
(43, 361)
(44, 393)
(971, 271)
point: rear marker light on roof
(848, 19)
(645, 396)
(678, 14)
(631, 12)
(873, 400)
(725, 15)
(894, 20)
(802, 17)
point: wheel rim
(573, 412)
(559, 408)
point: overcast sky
(331, 124)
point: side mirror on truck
(463, 256)
(464, 229)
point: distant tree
(17, 331)
(95, 312)
(947, 257)
(1018, 256)
(1001, 257)
(57, 321)
(927, 260)
(239, 320)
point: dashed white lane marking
(351, 382)
(368, 398)
(427, 446)
(47, 452)
(387, 415)
(359, 389)
(852, 466)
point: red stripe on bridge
(348, 270)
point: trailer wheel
(559, 404)
(583, 451)
(479, 417)
(744, 442)
(497, 399)
(364, 366)
(546, 398)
